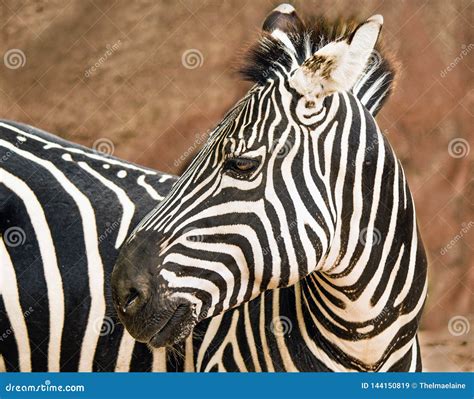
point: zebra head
(259, 206)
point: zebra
(291, 242)
(56, 151)
(64, 212)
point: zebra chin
(161, 323)
(175, 328)
(149, 309)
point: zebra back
(64, 212)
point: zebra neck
(348, 319)
(334, 333)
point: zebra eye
(242, 166)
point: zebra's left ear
(338, 65)
(283, 19)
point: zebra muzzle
(175, 326)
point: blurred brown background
(154, 76)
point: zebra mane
(268, 55)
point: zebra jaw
(164, 327)
(178, 327)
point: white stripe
(128, 206)
(174, 281)
(3, 368)
(402, 320)
(414, 356)
(379, 100)
(240, 229)
(289, 48)
(311, 344)
(396, 356)
(11, 299)
(374, 87)
(262, 329)
(279, 337)
(250, 338)
(94, 261)
(50, 144)
(149, 189)
(404, 182)
(50, 266)
(189, 355)
(272, 196)
(364, 78)
(164, 178)
(230, 339)
(209, 335)
(159, 360)
(411, 265)
(216, 267)
(124, 358)
(357, 199)
(333, 255)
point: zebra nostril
(133, 296)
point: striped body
(360, 311)
(292, 238)
(312, 262)
(268, 333)
(64, 212)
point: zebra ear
(338, 65)
(284, 19)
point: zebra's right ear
(338, 65)
(282, 19)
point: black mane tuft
(268, 55)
